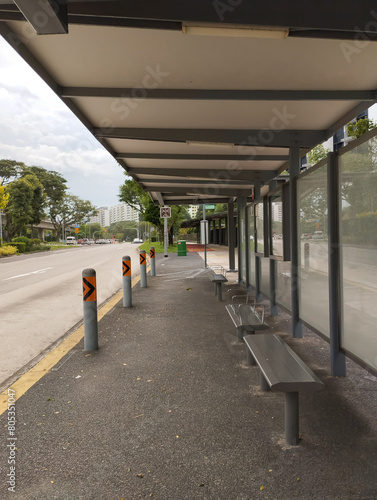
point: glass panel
(259, 224)
(314, 287)
(283, 291)
(359, 247)
(277, 226)
(265, 278)
(251, 277)
(242, 249)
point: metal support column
(273, 285)
(294, 170)
(258, 278)
(338, 360)
(231, 237)
(214, 232)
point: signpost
(165, 213)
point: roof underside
(197, 118)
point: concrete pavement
(167, 408)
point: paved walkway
(167, 408)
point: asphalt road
(41, 297)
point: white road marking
(40, 271)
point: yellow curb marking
(23, 384)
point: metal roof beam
(230, 95)
(199, 182)
(214, 191)
(319, 17)
(263, 137)
(186, 156)
(47, 17)
(233, 173)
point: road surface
(41, 297)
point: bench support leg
(291, 418)
(240, 333)
(250, 358)
(219, 292)
(263, 383)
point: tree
(317, 154)
(360, 127)
(10, 170)
(73, 210)
(25, 205)
(133, 194)
(126, 228)
(54, 186)
(4, 197)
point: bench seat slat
(280, 365)
(245, 316)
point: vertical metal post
(90, 309)
(127, 288)
(231, 237)
(143, 269)
(294, 170)
(166, 245)
(152, 256)
(291, 418)
(1, 227)
(258, 278)
(338, 360)
(205, 236)
(273, 280)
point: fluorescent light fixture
(210, 144)
(235, 30)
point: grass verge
(158, 247)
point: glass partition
(283, 286)
(277, 225)
(313, 234)
(242, 247)
(259, 227)
(265, 277)
(358, 170)
(251, 232)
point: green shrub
(23, 239)
(35, 242)
(20, 245)
(7, 250)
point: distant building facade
(123, 212)
(102, 217)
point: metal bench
(282, 370)
(246, 318)
(218, 280)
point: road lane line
(40, 271)
(28, 379)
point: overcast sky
(38, 129)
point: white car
(70, 240)
(137, 240)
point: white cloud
(38, 129)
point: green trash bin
(182, 250)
